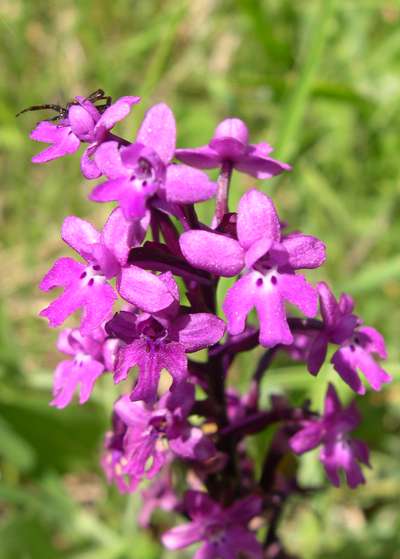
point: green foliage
(320, 80)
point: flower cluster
(148, 305)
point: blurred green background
(320, 80)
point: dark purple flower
(339, 451)
(222, 531)
(86, 285)
(139, 171)
(160, 337)
(90, 359)
(230, 144)
(357, 343)
(84, 123)
(270, 261)
(145, 437)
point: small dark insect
(62, 112)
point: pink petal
(173, 359)
(197, 331)
(257, 219)
(81, 122)
(232, 128)
(113, 114)
(304, 251)
(202, 157)
(375, 343)
(346, 303)
(332, 403)
(182, 536)
(206, 551)
(361, 451)
(133, 204)
(119, 234)
(274, 328)
(150, 367)
(228, 149)
(65, 305)
(108, 160)
(239, 301)
(343, 363)
(375, 375)
(105, 259)
(92, 371)
(89, 167)
(158, 131)
(144, 290)
(65, 342)
(64, 143)
(185, 185)
(151, 360)
(331, 469)
(317, 354)
(299, 292)
(79, 235)
(66, 378)
(256, 251)
(354, 475)
(99, 300)
(309, 437)
(262, 149)
(88, 106)
(127, 357)
(212, 252)
(109, 191)
(330, 311)
(133, 414)
(63, 272)
(261, 167)
(48, 132)
(169, 281)
(193, 445)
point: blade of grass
(373, 276)
(264, 30)
(161, 54)
(317, 185)
(295, 107)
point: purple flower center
(215, 534)
(152, 330)
(159, 424)
(81, 358)
(144, 177)
(269, 277)
(92, 275)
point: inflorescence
(189, 435)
